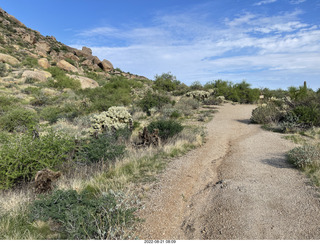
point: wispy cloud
(265, 2)
(297, 1)
(249, 46)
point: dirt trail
(236, 186)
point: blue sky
(268, 43)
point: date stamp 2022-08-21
(160, 241)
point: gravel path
(237, 186)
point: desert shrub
(30, 80)
(40, 99)
(307, 155)
(167, 128)
(175, 114)
(68, 110)
(289, 122)
(186, 105)
(165, 82)
(7, 103)
(104, 147)
(30, 62)
(18, 118)
(153, 100)
(117, 92)
(84, 215)
(308, 115)
(23, 155)
(113, 119)
(169, 111)
(213, 101)
(266, 114)
(196, 85)
(31, 90)
(70, 61)
(3, 70)
(62, 80)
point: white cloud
(264, 2)
(297, 1)
(251, 46)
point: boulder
(5, 58)
(79, 53)
(43, 46)
(106, 65)
(27, 37)
(88, 63)
(72, 57)
(87, 51)
(85, 81)
(43, 62)
(66, 66)
(96, 60)
(39, 75)
(16, 21)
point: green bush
(84, 215)
(167, 128)
(104, 147)
(166, 82)
(308, 115)
(117, 92)
(30, 62)
(7, 103)
(290, 122)
(70, 61)
(153, 100)
(18, 119)
(22, 156)
(307, 155)
(68, 111)
(62, 80)
(3, 70)
(266, 114)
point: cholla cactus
(199, 95)
(115, 118)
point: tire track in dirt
(236, 186)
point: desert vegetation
(91, 137)
(296, 113)
(107, 134)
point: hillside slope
(22, 47)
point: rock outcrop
(21, 47)
(62, 64)
(5, 58)
(44, 63)
(39, 75)
(106, 65)
(85, 81)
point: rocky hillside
(27, 52)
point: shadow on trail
(244, 121)
(278, 161)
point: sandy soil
(237, 186)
